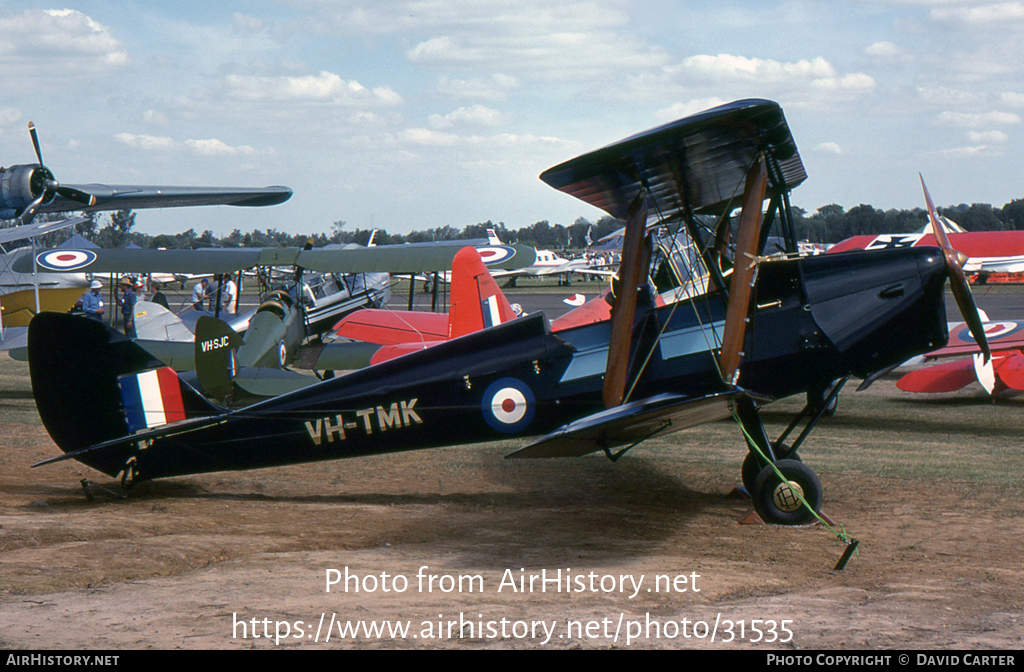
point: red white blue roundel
(508, 405)
(65, 260)
(492, 254)
(993, 330)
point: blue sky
(410, 115)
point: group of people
(205, 291)
(92, 305)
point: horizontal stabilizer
(391, 327)
(261, 381)
(632, 423)
(1010, 370)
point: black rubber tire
(751, 467)
(772, 510)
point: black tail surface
(92, 384)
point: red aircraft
(1004, 372)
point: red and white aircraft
(1004, 372)
(986, 251)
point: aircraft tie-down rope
(841, 535)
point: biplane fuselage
(742, 330)
(817, 319)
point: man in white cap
(92, 301)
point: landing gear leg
(774, 497)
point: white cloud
(151, 142)
(58, 43)
(829, 148)
(810, 81)
(945, 95)
(325, 86)
(215, 147)
(9, 116)
(1013, 98)
(725, 68)
(962, 152)
(495, 87)
(430, 137)
(477, 115)
(883, 50)
(209, 147)
(154, 117)
(535, 38)
(987, 136)
(987, 13)
(680, 110)
(974, 120)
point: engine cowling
(20, 185)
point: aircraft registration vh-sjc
(745, 331)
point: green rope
(841, 535)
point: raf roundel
(492, 254)
(66, 260)
(508, 405)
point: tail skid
(99, 394)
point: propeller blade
(631, 271)
(747, 238)
(957, 279)
(76, 195)
(35, 141)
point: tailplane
(92, 385)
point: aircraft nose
(933, 271)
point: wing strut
(631, 271)
(747, 239)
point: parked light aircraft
(986, 251)
(1004, 372)
(29, 189)
(764, 328)
(547, 263)
(329, 283)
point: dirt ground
(200, 562)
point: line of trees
(829, 224)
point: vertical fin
(476, 300)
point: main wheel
(751, 467)
(775, 501)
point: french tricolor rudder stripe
(151, 399)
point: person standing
(92, 302)
(200, 292)
(229, 295)
(128, 301)
(158, 296)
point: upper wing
(697, 164)
(410, 259)
(124, 197)
(382, 259)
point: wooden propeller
(747, 238)
(957, 279)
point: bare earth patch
(179, 563)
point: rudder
(92, 384)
